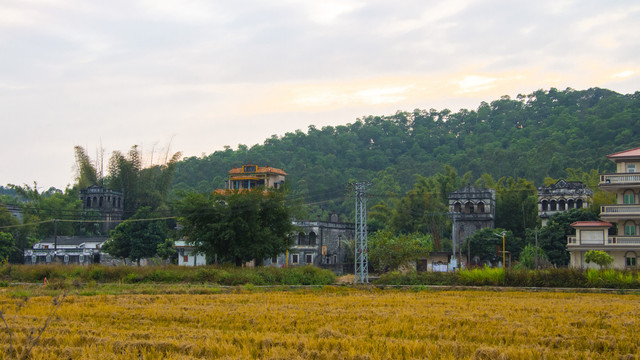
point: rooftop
(631, 153)
(591, 224)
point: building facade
(319, 243)
(187, 255)
(83, 250)
(471, 209)
(624, 216)
(253, 176)
(109, 204)
(562, 196)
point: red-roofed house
(624, 216)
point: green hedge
(560, 278)
(306, 275)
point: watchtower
(108, 203)
(471, 209)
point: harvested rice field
(330, 323)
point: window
(545, 205)
(481, 207)
(631, 262)
(312, 238)
(294, 258)
(301, 239)
(629, 229)
(308, 259)
(274, 260)
(631, 168)
(630, 259)
(185, 258)
(629, 198)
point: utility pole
(537, 248)
(454, 236)
(55, 234)
(361, 248)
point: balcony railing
(611, 241)
(620, 210)
(623, 240)
(622, 178)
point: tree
(527, 257)
(486, 245)
(598, 257)
(166, 250)
(553, 237)
(237, 226)
(137, 237)
(7, 247)
(388, 252)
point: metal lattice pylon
(362, 254)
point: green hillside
(532, 136)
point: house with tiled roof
(624, 216)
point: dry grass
(334, 323)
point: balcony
(620, 180)
(623, 241)
(622, 211)
(611, 241)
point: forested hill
(532, 136)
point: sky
(198, 75)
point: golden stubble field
(333, 323)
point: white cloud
(473, 83)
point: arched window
(457, 207)
(545, 205)
(553, 206)
(100, 204)
(468, 208)
(561, 205)
(571, 204)
(88, 202)
(480, 207)
(629, 228)
(629, 197)
(631, 259)
(312, 238)
(579, 204)
(302, 239)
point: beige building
(624, 216)
(252, 176)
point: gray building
(319, 243)
(562, 196)
(471, 209)
(109, 204)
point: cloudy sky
(196, 75)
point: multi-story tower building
(471, 209)
(624, 216)
(108, 203)
(562, 196)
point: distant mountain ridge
(531, 136)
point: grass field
(328, 323)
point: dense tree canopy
(532, 136)
(237, 226)
(137, 237)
